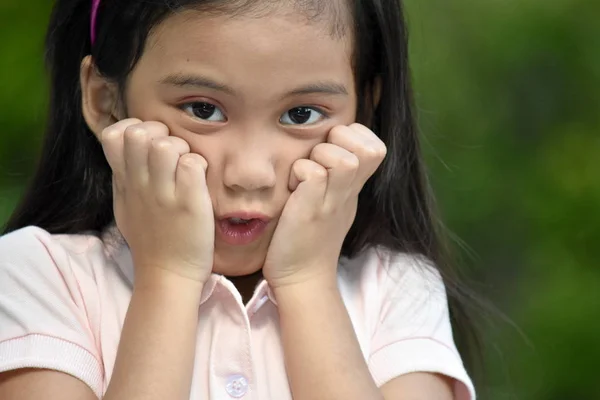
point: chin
(240, 264)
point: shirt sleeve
(43, 321)
(414, 332)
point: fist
(320, 211)
(161, 201)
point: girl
(213, 217)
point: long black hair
(71, 190)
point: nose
(249, 168)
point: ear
(99, 98)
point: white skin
(173, 172)
(255, 152)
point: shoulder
(32, 238)
(387, 290)
(49, 304)
(27, 249)
(32, 247)
(32, 259)
(391, 272)
(399, 309)
(22, 242)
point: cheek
(211, 148)
(142, 103)
(292, 150)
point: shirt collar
(116, 248)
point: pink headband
(95, 5)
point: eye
(301, 116)
(204, 111)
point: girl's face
(251, 95)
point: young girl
(230, 203)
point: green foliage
(509, 105)
(509, 100)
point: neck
(246, 284)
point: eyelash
(183, 107)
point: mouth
(241, 228)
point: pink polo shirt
(63, 300)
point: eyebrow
(199, 81)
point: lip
(245, 215)
(241, 234)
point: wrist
(305, 290)
(322, 275)
(163, 283)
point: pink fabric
(63, 300)
(94, 17)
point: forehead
(280, 44)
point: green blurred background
(508, 94)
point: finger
(309, 180)
(364, 144)
(364, 131)
(111, 140)
(163, 158)
(375, 145)
(137, 139)
(341, 166)
(190, 179)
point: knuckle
(163, 199)
(179, 144)
(349, 162)
(356, 125)
(375, 151)
(370, 152)
(161, 145)
(318, 150)
(297, 167)
(338, 130)
(175, 140)
(381, 151)
(337, 133)
(193, 161)
(109, 134)
(118, 129)
(135, 133)
(189, 160)
(132, 121)
(382, 154)
(318, 173)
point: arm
(163, 209)
(156, 352)
(418, 386)
(148, 366)
(36, 384)
(323, 357)
(322, 354)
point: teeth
(239, 220)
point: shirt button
(237, 386)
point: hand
(161, 201)
(318, 214)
